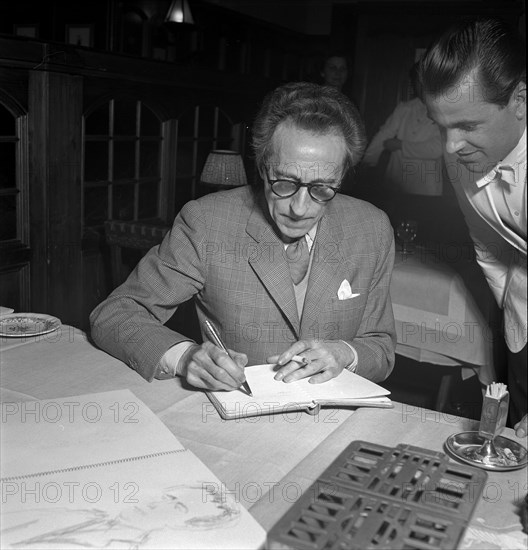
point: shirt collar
(514, 162)
(310, 237)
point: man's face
(335, 72)
(479, 133)
(304, 157)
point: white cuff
(352, 367)
(169, 364)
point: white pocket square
(345, 292)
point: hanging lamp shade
(179, 13)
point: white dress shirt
(506, 185)
(417, 167)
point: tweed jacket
(224, 251)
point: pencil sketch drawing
(176, 517)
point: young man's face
(304, 157)
(479, 133)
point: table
(267, 461)
(445, 314)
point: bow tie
(506, 174)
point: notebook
(271, 396)
(102, 471)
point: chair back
(142, 236)
(122, 235)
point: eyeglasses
(320, 192)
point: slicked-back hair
(488, 46)
(318, 109)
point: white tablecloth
(268, 461)
(445, 313)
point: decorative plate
(27, 324)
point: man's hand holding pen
(209, 367)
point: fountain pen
(218, 341)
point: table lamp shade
(224, 168)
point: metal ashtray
(464, 446)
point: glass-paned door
(123, 142)
(200, 130)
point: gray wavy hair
(319, 109)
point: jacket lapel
(269, 263)
(480, 201)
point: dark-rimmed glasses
(319, 192)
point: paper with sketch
(270, 395)
(159, 496)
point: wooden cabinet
(80, 145)
(55, 139)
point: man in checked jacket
(289, 267)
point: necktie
(298, 257)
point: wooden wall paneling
(390, 58)
(23, 181)
(55, 109)
(96, 282)
(383, 35)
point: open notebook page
(270, 393)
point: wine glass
(406, 232)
